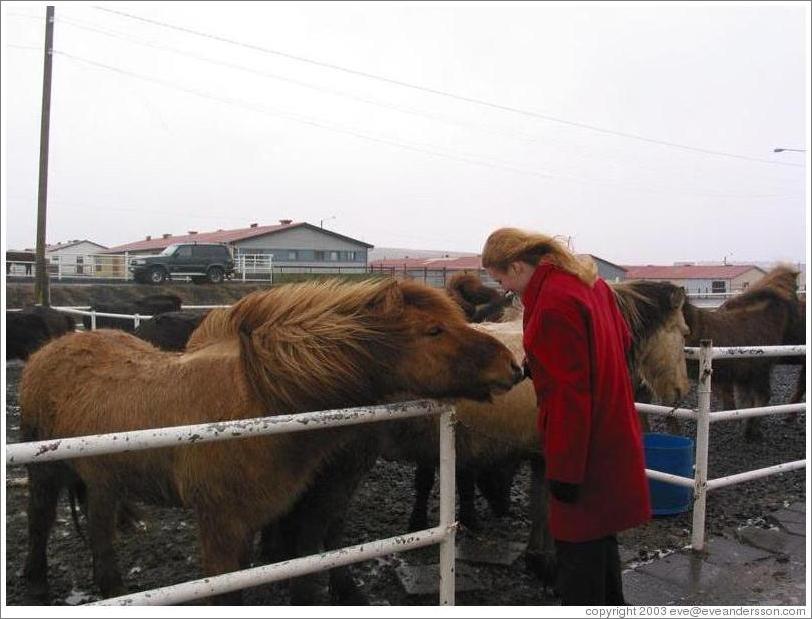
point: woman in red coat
(576, 342)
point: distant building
(294, 246)
(437, 270)
(74, 257)
(700, 278)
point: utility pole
(42, 295)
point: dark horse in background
(766, 314)
(480, 303)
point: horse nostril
(518, 373)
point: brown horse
(766, 314)
(286, 350)
(480, 303)
(486, 433)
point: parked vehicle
(202, 262)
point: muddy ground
(166, 550)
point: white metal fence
(443, 534)
(247, 267)
(704, 417)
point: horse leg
(44, 484)
(319, 519)
(225, 546)
(466, 480)
(759, 389)
(101, 517)
(423, 483)
(495, 481)
(540, 554)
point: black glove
(563, 491)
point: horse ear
(387, 302)
(677, 297)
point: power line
(87, 26)
(416, 147)
(444, 93)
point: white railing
(704, 417)
(444, 534)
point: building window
(717, 286)
(350, 256)
(319, 255)
(333, 256)
(292, 254)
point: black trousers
(589, 573)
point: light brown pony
(766, 314)
(286, 350)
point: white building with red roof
(699, 279)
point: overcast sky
(201, 119)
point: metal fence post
(136, 320)
(92, 319)
(447, 503)
(126, 265)
(702, 440)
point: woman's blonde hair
(507, 245)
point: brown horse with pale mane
(286, 350)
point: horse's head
(327, 344)
(440, 354)
(653, 311)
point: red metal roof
(463, 262)
(729, 271)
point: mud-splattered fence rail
(706, 353)
(444, 534)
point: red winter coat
(576, 342)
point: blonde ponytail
(507, 245)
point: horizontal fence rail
(175, 436)
(706, 353)
(252, 577)
(444, 534)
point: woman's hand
(563, 491)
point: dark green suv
(202, 262)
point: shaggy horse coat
(289, 349)
(486, 433)
(480, 302)
(766, 314)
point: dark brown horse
(766, 314)
(480, 303)
(286, 350)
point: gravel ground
(165, 551)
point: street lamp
(781, 150)
(321, 221)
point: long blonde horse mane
(318, 334)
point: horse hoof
(542, 565)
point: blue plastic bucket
(675, 455)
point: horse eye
(436, 330)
